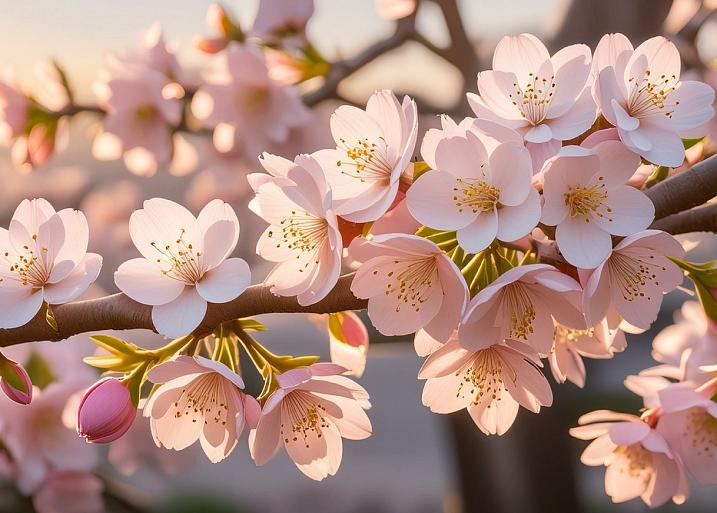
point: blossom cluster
(521, 236)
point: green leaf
(709, 304)
(689, 143)
(419, 168)
(115, 345)
(336, 328)
(251, 325)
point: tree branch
(688, 189)
(700, 219)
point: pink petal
(76, 283)
(180, 316)
(583, 244)
(144, 282)
(225, 282)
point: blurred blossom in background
(411, 463)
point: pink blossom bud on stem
(106, 412)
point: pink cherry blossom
(571, 345)
(640, 92)
(409, 283)
(633, 278)
(310, 412)
(106, 412)
(185, 264)
(52, 89)
(142, 110)
(687, 345)
(279, 19)
(348, 342)
(482, 195)
(638, 459)
(522, 305)
(43, 258)
(15, 381)
(13, 112)
(373, 152)
(689, 424)
(303, 235)
(491, 383)
(40, 437)
(199, 399)
(245, 106)
(70, 492)
(547, 99)
(586, 199)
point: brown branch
(688, 189)
(118, 312)
(700, 219)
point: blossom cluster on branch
(521, 236)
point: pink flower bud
(106, 412)
(211, 45)
(15, 382)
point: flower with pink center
(547, 99)
(199, 399)
(69, 492)
(409, 283)
(586, 199)
(245, 106)
(689, 424)
(40, 437)
(639, 461)
(481, 195)
(571, 345)
(142, 109)
(687, 345)
(373, 153)
(303, 235)
(185, 264)
(281, 19)
(106, 412)
(633, 278)
(15, 381)
(348, 342)
(43, 258)
(491, 383)
(640, 92)
(310, 412)
(522, 305)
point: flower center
(533, 99)
(204, 397)
(305, 416)
(410, 281)
(483, 379)
(30, 267)
(475, 194)
(649, 95)
(631, 274)
(181, 258)
(639, 461)
(519, 306)
(254, 99)
(302, 232)
(365, 160)
(569, 336)
(145, 112)
(588, 200)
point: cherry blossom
(491, 383)
(106, 412)
(43, 258)
(199, 399)
(373, 152)
(185, 262)
(640, 92)
(482, 195)
(310, 412)
(409, 283)
(348, 342)
(303, 234)
(521, 305)
(245, 106)
(633, 278)
(689, 424)
(13, 111)
(547, 99)
(571, 345)
(15, 382)
(587, 200)
(282, 19)
(638, 459)
(70, 492)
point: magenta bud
(106, 412)
(15, 382)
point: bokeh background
(415, 462)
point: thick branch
(118, 312)
(700, 219)
(688, 189)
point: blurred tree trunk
(586, 21)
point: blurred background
(415, 462)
